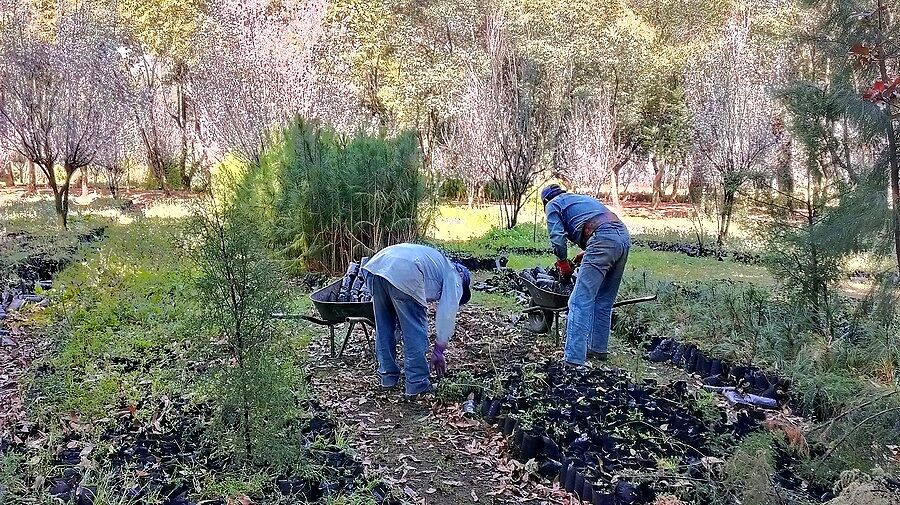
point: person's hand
(565, 269)
(438, 361)
(578, 258)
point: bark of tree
(725, 213)
(895, 189)
(679, 170)
(614, 185)
(32, 178)
(893, 162)
(60, 192)
(85, 187)
(659, 170)
(8, 174)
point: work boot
(420, 394)
(598, 355)
(575, 366)
(662, 352)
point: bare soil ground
(426, 449)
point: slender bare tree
(518, 100)
(733, 125)
(588, 150)
(470, 139)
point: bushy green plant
(241, 287)
(452, 189)
(748, 472)
(327, 198)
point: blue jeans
(590, 306)
(395, 308)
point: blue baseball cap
(551, 192)
(466, 280)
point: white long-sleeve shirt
(426, 275)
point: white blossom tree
(62, 95)
(587, 154)
(256, 70)
(475, 155)
(733, 122)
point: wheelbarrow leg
(556, 326)
(370, 345)
(331, 331)
(347, 338)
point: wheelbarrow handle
(311, 319)
(632, 301)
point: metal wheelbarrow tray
(332, 314)
(546, 307)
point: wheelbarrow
(546, 307)
(332, 314)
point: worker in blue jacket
(403, 279)
(605, 242)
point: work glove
(438, 361)
(565, 269)
(578, 259)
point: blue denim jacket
(566, 215)
(426, 275)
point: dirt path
(427, 450)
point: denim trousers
(590, 306)
(396, 310)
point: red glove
(565, 268)
(578, 258)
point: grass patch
(494, 301)
(124, 309)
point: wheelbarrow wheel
(539, 321)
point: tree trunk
(725, 216)
(895, 188)
(614, 186)
(8, 175)
(470, 196)
(32, 178)
(659, 171)
(678, 172)
(85, 189)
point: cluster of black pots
(589, 426)
(716, 372)
(695, 251)
(157, 453)
(476, 262)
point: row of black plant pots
(534, 443)
(717, 372)
(588, 428)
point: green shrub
(452, 189)
(326, 198)
(748, 472)
(495, 191)
(118, 310)
(255, 381)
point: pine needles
(328, 198)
